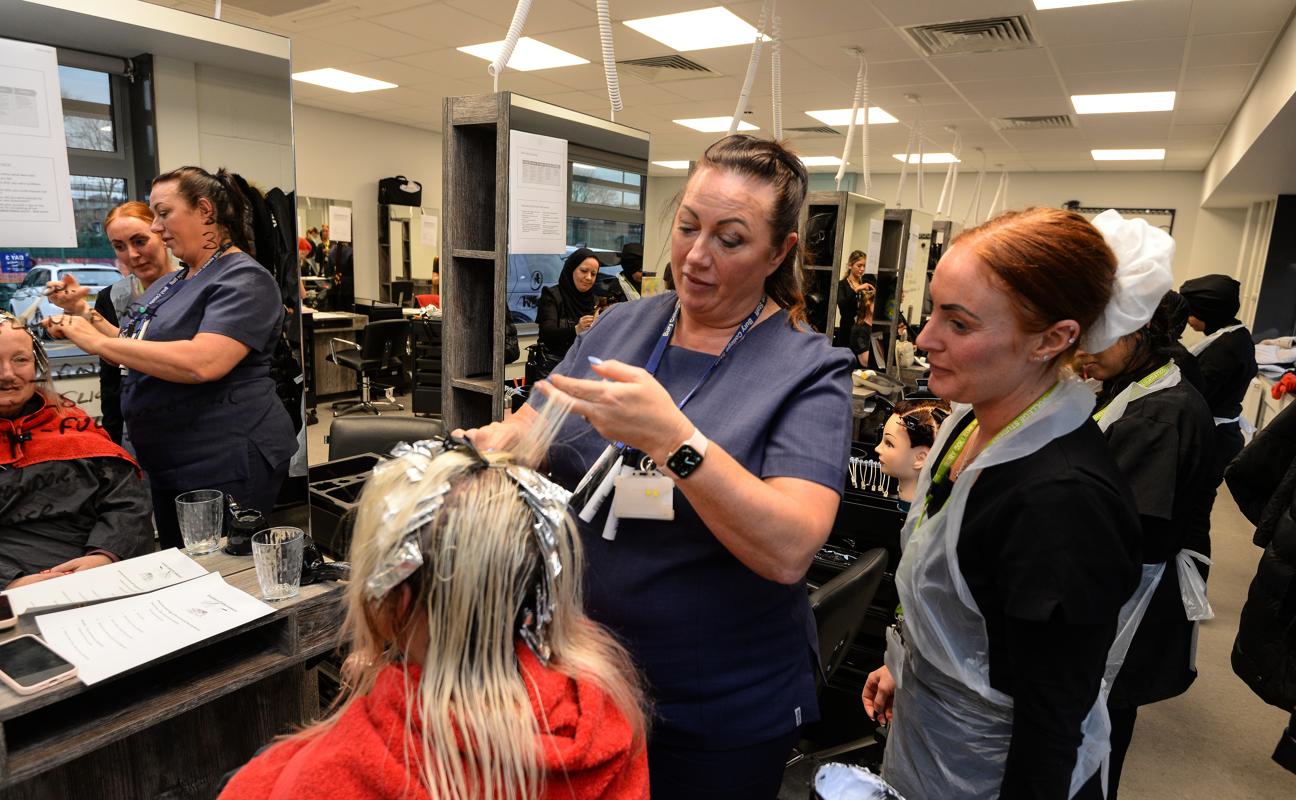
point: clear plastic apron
(951, 729)
(1197, 349)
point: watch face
(684, 460)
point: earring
(1071, 340)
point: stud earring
(1071, 340)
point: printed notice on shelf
(428, 230)
(874, 249)
(110, 638)
(35, 186)
(537, 194)
(132, 576)
(915, 278)
(339, 224)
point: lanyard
(139, 323)
(1145, 383)
(655, 359)
(962, 440)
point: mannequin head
(907, 440)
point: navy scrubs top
(197, 434)
(729, 656)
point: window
(603, 186)
(87, 109)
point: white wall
(1219, 243)
(342, 157)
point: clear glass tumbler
(277, 553)
(202, 516)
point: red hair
(1053, 263)
(134, 209)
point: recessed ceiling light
(842, 116)
(715, 124)
(528, 55)
(822, 161)
(697, 30)
(342, 81)
(1128, 155)
(1123, 103)
(1045, 5)
(674, 164)
(928, 158)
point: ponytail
(230, 209)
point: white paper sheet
(874, 249)
(915, 279)
(339, 224)
(35, 187)
(537, 194)
(132, 576)
(428, 231)
(110, 638)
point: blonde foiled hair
(479, 737)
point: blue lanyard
(655, 359)
(149, 311)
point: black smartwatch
(688, 456)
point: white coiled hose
(951, 179)
(751, 72)
(776, 74)
(510, 41)
(904, 170)
(861, 96)
(1001, 194)
(921, 131)
(609, 56)
(975, 205)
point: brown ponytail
(230, 210)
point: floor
(1213, 742)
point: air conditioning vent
(812, 131)
(973, 36)
(661, 69)
(1032, 123)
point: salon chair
(402, 293)
(353, 436)
(381, 351)
(839, 608)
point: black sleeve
(1147, 452)
(103, 304)
(847, 303)
(1056, 671)
(860, 337)
(511, 348)
(123, 525)
(1220, 373)
(552, 333)
(1254, 476)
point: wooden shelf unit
(852, 213)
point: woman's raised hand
(69, 295)
(630, 407)
(584, 323)
(76, 330)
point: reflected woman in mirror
(197, 396)
(568, 308)
(142, 254)
(849, 293)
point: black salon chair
(402, 293)
(377, 310)
(381, 352)
(353, 436)
(839, 607)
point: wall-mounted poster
(35, 186)
(339, 223)
(537, 194)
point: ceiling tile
(544, 17)
(803, 19)
(1193, 164)
(1114, 22)
(1032, 107)
(309, 53)
(1228, 48)
(392, 72)
(989, 66)
(531, 84)
(1235, 76)
(1009, 88)
(1147, 80)
(374, 39)
(1230, 16)
(1123, 121)
(1196, 132)
(1119, 56)
(1211, 99)
(879, 46)
(443, 24)
(1204, 116)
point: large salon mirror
(146, 89)
(328, 275)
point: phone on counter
(8, 618)
(28, 664)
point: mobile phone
(8, 618)
(28, 664)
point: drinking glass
(202, 516)
(278, 556)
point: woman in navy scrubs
(197, 396)
(748, 415)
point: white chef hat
(1143, 276)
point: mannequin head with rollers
(907, 440)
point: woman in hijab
(630, 281)
(568, 308)
(1227, 359)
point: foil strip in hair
(548, 501)
(399, 565)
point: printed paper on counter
(110, 638)
(122, 579)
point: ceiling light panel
(842, 116)
(673, 164)
(714, 124)
(529, 55)
(1046, 5)
(1123, 103)
(1128, 155)
(927, 158)
(342, 81)
(697, 30)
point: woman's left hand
(630, 406)
(82, 564)
(76, 330)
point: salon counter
(327, 378)
(175, 726)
